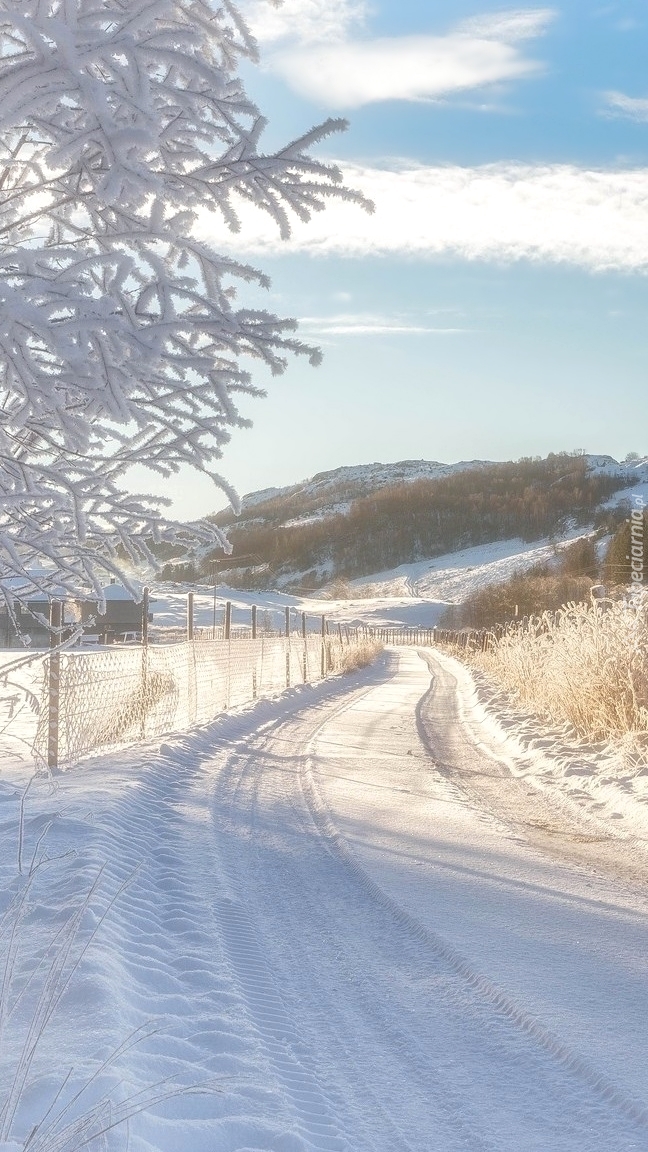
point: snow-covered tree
(121, 339)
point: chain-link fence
(93, 700)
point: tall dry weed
(587, 664)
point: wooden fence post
(145, 615)
(254, 621)
(228, 620)
(144, 684)
(190, 616)
(54, 684)
(287, 632)
(193, 673)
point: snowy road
(372, 944)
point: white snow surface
(369, 916)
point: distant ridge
(361, 479)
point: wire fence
(93, 700)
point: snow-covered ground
(359, 917)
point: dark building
(122, 620)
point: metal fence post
(54, 684)
(228, 636)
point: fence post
(323, 647)
(145, 615)
(287, 630)
(145, 622)
(303, 624)
(228, 620)
(193, 673)
(54, 684)
(190, 616)
(254, 636)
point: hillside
(351, 522)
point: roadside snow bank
(605, 779)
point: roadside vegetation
(586, 665)
(569, 641)
(360, 655)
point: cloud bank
(498, 212)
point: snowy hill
(362, 479)
(355, 521)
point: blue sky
(495, 305)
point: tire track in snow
(454, 1119)
(283, 1049)
(496, 999)
(245, 769)
(281, 1042)
(168, 950)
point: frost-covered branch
(121, 340)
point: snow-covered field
(411, 594)
(361, 916)
(449, 579)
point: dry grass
(359, 655)
(587, 665)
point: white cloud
(499, 212)
(404, 68)
(350, 324)
(509, 26)
(632, 107)
(310, 47)
(303, 20)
